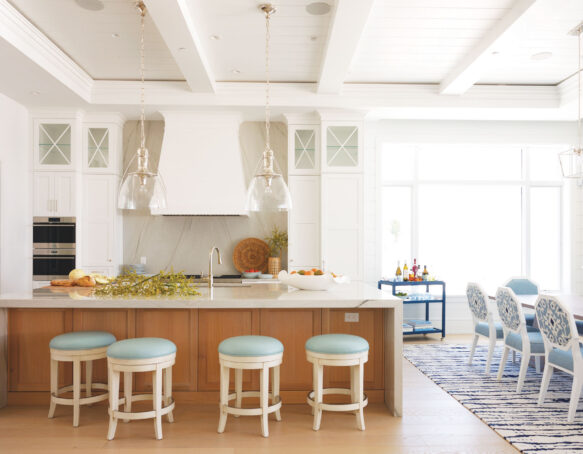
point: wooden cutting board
(251, 253)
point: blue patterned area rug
(516, 417)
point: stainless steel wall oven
(54, 248)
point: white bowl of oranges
(313, 279)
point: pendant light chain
(142, 10)
(268, 10)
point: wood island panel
(293, 327)
(370, 327)
(215, 325)
(29, 334)
(179, 326)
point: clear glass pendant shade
(268, 190)
(571, 163)
(141, 189)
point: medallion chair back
(77, 347)
(338, 350)
(563, 350)
(250, 352)
(516, 336)
(142, 354)
(523, 286)
(483, 320)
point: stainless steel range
(54, 248)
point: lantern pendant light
(141, 188)
(572, 159)
(268, 190)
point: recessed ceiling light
(35, 93)
(495, 53)
(215, 37)
(182, 49)
(318, 8)
(115, 35)
(236, 71)
(313, 38)
(91, 5)
(541, 56)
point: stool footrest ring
(141, 414)
(83, 400)
(337, 407)
(250, 411)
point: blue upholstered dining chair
(563, 350)
(523, 286)
(483, 321)
(516, 337)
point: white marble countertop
(353, 295)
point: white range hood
(201, 164)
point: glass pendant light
(268, 190)
(141, 188)
(572, 159)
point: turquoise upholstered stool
(143, 354)
(250, 352)
(338, 350)
(76, 347)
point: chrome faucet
(211, 267)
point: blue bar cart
(420, 300)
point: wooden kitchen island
(197, 325)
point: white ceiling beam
(174, 20)
(17, 31)
(469, 69)
(344, 33)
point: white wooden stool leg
(318, 395)
(88, 377)
(168, 391)
(360, 422)
(264, 393)
(275, 388)
(224, 398)
(314, 385)
(54, 386)
(127, 393)
(113, 402)
(238, 388)
(157, 390)
(354, 388)
(76, 391)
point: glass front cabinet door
(99, 148)
(342, 147)
(303, 157)
(53, 145)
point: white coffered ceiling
(358, 55)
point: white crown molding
(24, 36)
(116, 118)
(301, 119)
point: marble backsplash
(183, 242)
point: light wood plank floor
(433, 422)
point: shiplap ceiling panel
(86, 36)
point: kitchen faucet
(211, 267)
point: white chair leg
(157, 391)
(503, 362)
(264, 395)
(491, 348)
(168, 391)
(318, 395)
(360, 389)
(224, 398)
(544, 384)
(88, 377)
(275, 393)
(127, 393)
(113, 402)
(575, 394)
(238, 388)
(54, 386)
(76, 391)
(473, 350)
(537, 361)
(524, 360)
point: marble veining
(183, 242)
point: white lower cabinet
(342, 224)
(100, 224)
(54, 194)
(304, 223)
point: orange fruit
(308, 273)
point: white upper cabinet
(54, 194)
(54, 144)
(303, 150)
(101, 148)
(342, 147)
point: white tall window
(480, 213)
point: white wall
(427, 131)
(15, 198)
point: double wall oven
(54, 248)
